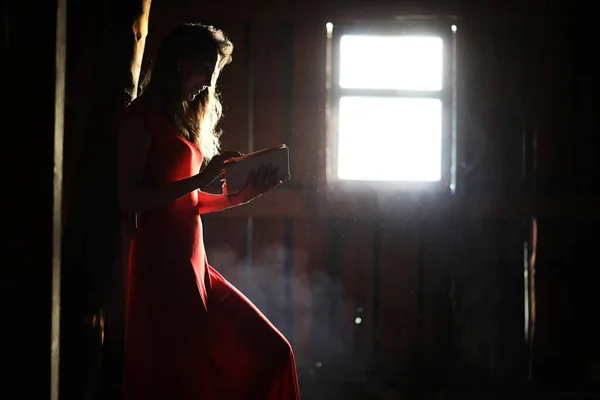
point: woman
(190, 334)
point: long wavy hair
(197, 119)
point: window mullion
(437, 94)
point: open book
(236, 173)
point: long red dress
(190, 334)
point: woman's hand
(216, 166)
(259, 182)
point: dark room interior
(457, 263)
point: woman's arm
(134, 196)
(258, 184)
(208, 202)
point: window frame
(447, 95)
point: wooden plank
(266, 283)
(566, 349)
(435, 344)
(473, 300)
(307, 142)
(269, 62)
(398, 296)
(551, 84)
(356, 313)
(509, 235)
(309, 285)
(492, 109)
(469, 286)
(57, 203)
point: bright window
(390, 98)
(403, 140)
(391, 62)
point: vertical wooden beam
(310, 290)
(140, 32)
(59, 127)
(308, 123)
(356, 267)
(398, 299)
(376, 286)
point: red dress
(190, 334)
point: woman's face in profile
(197, 74)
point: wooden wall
(437, 284)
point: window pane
(391, 62)
(391, 139)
